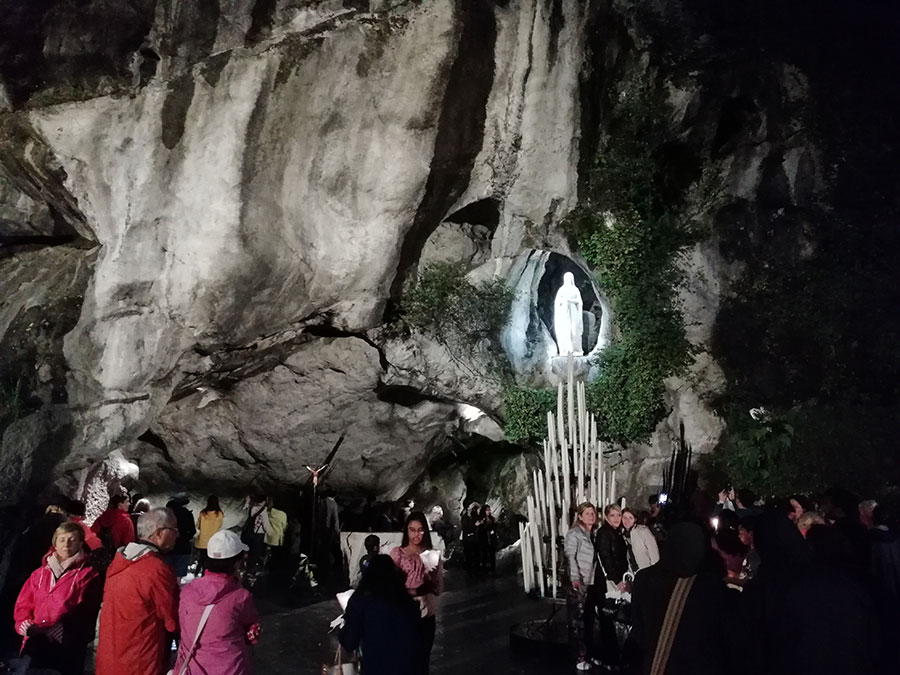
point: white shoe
(583, 665)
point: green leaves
(444, 304)
(526, 413)
(630, 231)
(465, 318)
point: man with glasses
(140, 601)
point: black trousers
(67, 658)
(425, 642)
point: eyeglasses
(173, 529)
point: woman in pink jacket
(57, 607)
(232, 625)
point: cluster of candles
(573, 473)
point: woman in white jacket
(642, 548)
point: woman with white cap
(218, 620)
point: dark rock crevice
(484, 212)
(460, 132)
(233, 364)
(557, 23)
(157, 442)
(32, 167)
(70, 50)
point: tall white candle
(553, 555)
(612, 487)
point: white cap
(225, 544)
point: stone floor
(474, 619)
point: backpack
(250, 525)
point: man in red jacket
(140, 602)
(114, 527)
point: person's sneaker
(583, 665)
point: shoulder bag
(339, 667)
(200, 626)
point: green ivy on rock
(630, 229)
(444, 304)
(526, 413)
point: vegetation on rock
(526, 413)
(630, 228)
(461, 315)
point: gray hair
(867, 506)
(153, 520)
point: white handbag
(200, 626)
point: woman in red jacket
(57, 607)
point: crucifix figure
(315, 473)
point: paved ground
(474, 619)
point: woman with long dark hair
(423, 582)
(641, 545)
(383, 618)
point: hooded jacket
(140, 604)
(222, 648)
(72, 597)
(699, 645)
(120, 526)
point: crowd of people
(479, 539)
(154, 579)
(128, 575)
(791, 586)
(127, 567)
(795, 586)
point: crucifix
(315, 473)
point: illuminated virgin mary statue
(568, 322)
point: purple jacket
(223, 648)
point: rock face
(258, 201)
(214, 208)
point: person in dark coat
(184, 546)
(884, 539)
(699, 645)
(611, 547)
(383, 619)
(802, 615)
(469, 536)
(612, 554)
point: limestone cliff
(211, 208)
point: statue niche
(568, 321)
